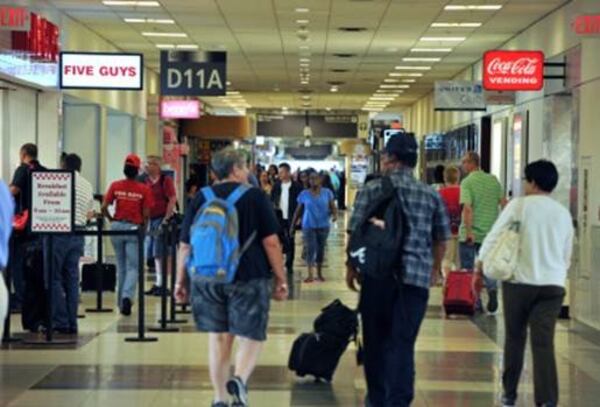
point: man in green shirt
(481, 197)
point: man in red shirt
(450, 194)
(164, 199)
(132, 201)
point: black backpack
(374, 251)
(337, 320)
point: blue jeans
(126, 251)
(65, 295)
(391, 316)
(154, 240)
(314, 242)
(468, 253)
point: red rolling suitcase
(459, 297)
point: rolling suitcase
(459, 298)
(34, 309)
(317, 355)
(89, 280)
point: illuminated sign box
(513, 70)
(586, 25)
(180, 109)
(105, 71)
(14, 18)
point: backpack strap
(208, 193)
(237, 194)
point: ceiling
(262, 38)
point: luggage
(459, 297)
(316, 354)
(337, 320)
(34, 313)
(89, 278)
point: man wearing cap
(393, 307)
(132, 202)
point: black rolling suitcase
(317, 355)
(34, 311)
(89, 279)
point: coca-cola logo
(513, 70)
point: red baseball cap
(133, 160)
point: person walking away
(196, 180)
(68, 249)
(6, 214)
(164, 201)
(438, 177)
(450, 194)
(132, 200)
(393, 306)
(534, 297)
(20, 189)
(316, 206)
(265, 183)
(285, 199)
(236, 311)
(482, 197)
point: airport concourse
(303, 203)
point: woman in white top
(534, 297)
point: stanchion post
(173, 249)
(164, 237)
(6, 337)
(99, 269)
(141, 280)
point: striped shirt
(84, 199)
(483, 192)
(427, 222)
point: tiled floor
(459, 360)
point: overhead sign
(499, 98)
(184, 73)
(459, 95)
(52, 201)
(40, 42)
(180, 109)
(586, 25)
(96, 70)
(513, 70)
(13, 18)
(273, 125)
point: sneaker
(238, 390)
(153, 291)
(492, 305)
(309, 280)
(159, 291)
(126, 307)
(508, 402)
(219, 404)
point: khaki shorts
(451, 258)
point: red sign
(41, 41)
(14, 18)
(586, 25)
(513, 70)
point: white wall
(119, 143)
(81, 129)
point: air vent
(352, 29)
(336, 83)
(342, 55)
(339, 70)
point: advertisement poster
(172, 152)
(52, 201)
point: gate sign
(52, 201)
(185, 73)
(513, 70)
(96, 70)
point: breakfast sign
(52, 201)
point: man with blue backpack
(228, 254)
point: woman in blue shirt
(316, 206)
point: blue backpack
(214, 238)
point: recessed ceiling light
(413, 68)
(456, 25)
(149, 21)
(443, 39)
(187, 46)
(165, 46)
(328, 109)
(161, 34)
(457, 7)
(394, 86)
(408, 74)
(302, 10)
(132, 3)
(334, 89)
(302, 21)
(410, 59)
(387, 80)
(409, 80)
(431, 50)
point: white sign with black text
(81, 70)
(52, 201)
(459, 96)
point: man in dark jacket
(285, 198)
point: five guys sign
(513, 70)
(96, 70)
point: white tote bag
(502, 260)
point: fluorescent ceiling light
(187, 46)
(284, 108)
(387, 80)
(304, 82)
(431, 50)
(409, 80)
(384, 92)
(302, 10)
(380, 98)
(132, 3)
(409, 59)
(410, 74)
(165, 46)
(456, 25)
(413, 68)
(305, 47)
(457, 7)
(443, 39)
(149, 21)
(394, 86)
(334, 90)
(302, 21)
(161, 34)
(328, 109)
(305, 60)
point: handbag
(502, 260)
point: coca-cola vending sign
(513, 70)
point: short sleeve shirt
(22, 180)
(130, 197)
(255, 213)
(162, 191)
(483, 193)
(316, 208)
(451, 197)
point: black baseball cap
(401, 144)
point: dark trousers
(391, 315)
(19, 244)
(289, 244)
(537, 307)
(65, 295)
